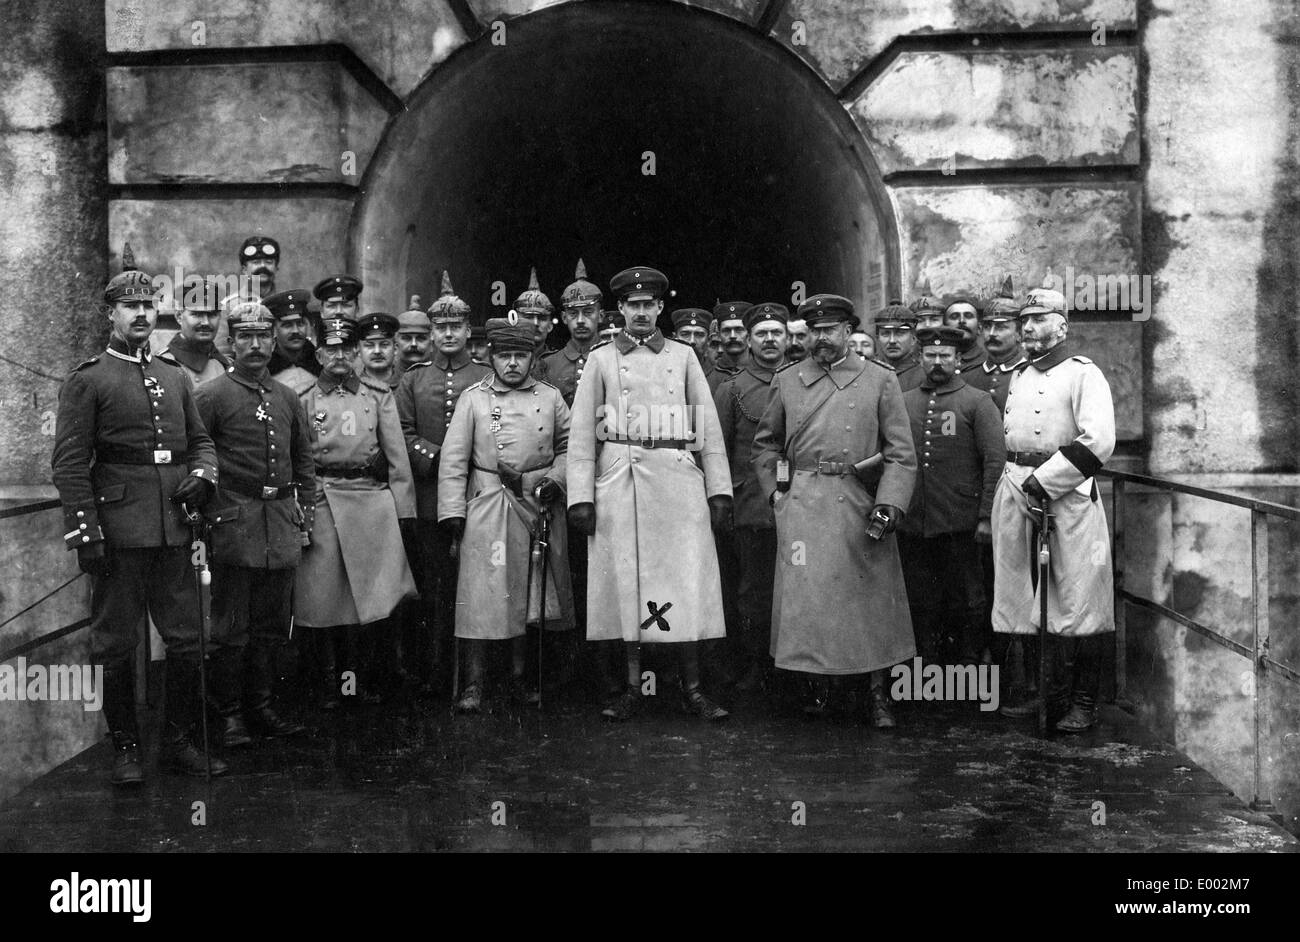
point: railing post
(1259, 609)
(1117, 573)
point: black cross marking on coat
(657, 616)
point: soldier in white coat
(1059, 424)
(648, 477)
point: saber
(1043, 527)
(202, 582)
(544, 542)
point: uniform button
(840, 498)
(626, 393)
(1037, 432)
(85, 539)
(271, 432)
(1040, 392)
(844, 451)
(1006, 428)
(926, 465)
(848, 428)
(1036, 411)
(82, 527)
(635, 460)
(851, 404)
(501, 447)
(449, 376)
(81, 513)
(273, 448)
(931, 402)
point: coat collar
(625, 343)
(450, 364)
(493, 382)
(573, 352)
(973, 357)
(1058, 354)
(843, 373)
(117, 348)
(195, 355)
(760, 373)
(328, 383)
(988, 366)
(258, 383)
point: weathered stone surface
(52, 227)
(251, 123)
(1116, 348)
(968, 237)
(1070, 108)
(842, 36)
(311, 232)
(401, 40)
(1222, 185)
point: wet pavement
(413, 777)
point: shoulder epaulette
(484, 382)
(416, 366)
(597, 346)
(547, 382)
(167, 357)
(785, 366)
(1021, 366)
(882, 364)
(1081, 358)
(85, 363)
(682, 342)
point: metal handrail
(27, 647)
(1257, 653)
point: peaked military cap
(730, 311)
(448, 307)
(896, 314)
(339, 330)
(291, 303)
(939, 336)
(249, 315)
(828, 308)
(642, 282)
(1044, 301)
(338, 287)
(766, 311)
(691, 317)
(256, 247)
(385, 325)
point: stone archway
(534, 152)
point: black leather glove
(455, 527)
(582, 519)
(93, 560)
(1033, 489)
(194, 490)
(548, 491)
(720, 513)
(893, 514)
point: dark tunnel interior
(532, 153)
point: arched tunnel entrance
(532, 153)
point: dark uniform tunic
(970, 361)
(995, 378)
(740, 402)
(264, 457)
(426, 401)
(202, 363)
(958, 435)
(564, 368)
(128, 433)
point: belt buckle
(269, 493)
(162, 456)
(646, 442)
(827, 467)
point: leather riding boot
(224, 681)
(882, 714)
(1087, 683)
(260, 676)
(119, 713)
(126, 760)
(1058, 679)
(180, 714)
(324, 667)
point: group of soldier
(397, 491)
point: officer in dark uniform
(426, 400)
(580, 311)
(338, 296)
(962, 312)
(534, 307)
(691, 325)
(129, 450)
(293, 361)
(730, 318)
(961, 454)
(258, 520)
(1000, 331)
(896, 343)
(611, 322)
(379, 349)
(740, 402)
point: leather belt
(1030, 459)
(256, 491)
(651, 442)
(141, 456)
(832, 468)
(351, 474)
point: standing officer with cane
(129, 450)
(1060, 428)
